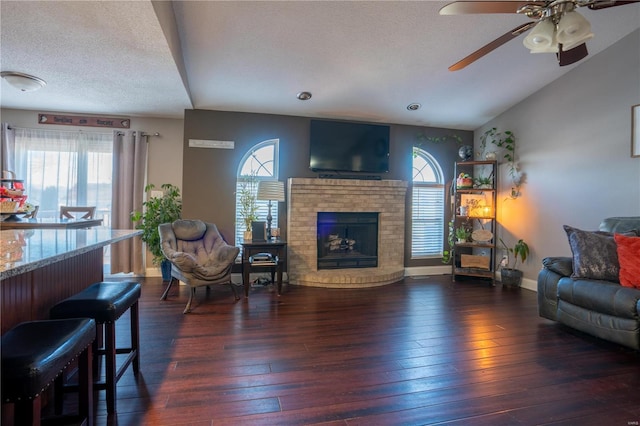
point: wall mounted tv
(340, 146)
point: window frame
(262, 171)
(431, 186)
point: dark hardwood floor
(422, 351)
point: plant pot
(165, 269)
(511, 277)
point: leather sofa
(602, 308)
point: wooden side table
(276, 248)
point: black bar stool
(105, 302)
(35, 353)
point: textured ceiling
(361, 60)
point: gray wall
(573, 141)
(165, 151)
(209, 174)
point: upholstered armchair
(198, 254)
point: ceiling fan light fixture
(571, 45)
(542, 38)
(573, 29)
(23, 82)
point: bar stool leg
(135, 337)
(110, 365)
(85, 385)
(28, 412)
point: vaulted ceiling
(361, 60)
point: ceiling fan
(557, 26)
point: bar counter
(40, 267)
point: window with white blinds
(259, 163)
(427, 233)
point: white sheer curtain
(64, 168)
(129, 171)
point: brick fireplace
(307, 197)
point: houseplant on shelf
(248, 204)
(462, 234)
(512, 276)
(156, 211)
(505, 143)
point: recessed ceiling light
(414, 106)
(23, 82)
(304, 96)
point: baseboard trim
(527, 283)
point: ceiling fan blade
(466, 7)
(604, 4)
(491, 46)
(571, 56)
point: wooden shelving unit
(475, 209)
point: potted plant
(156, 211)
(462, 234)
(483, 182)
(512, 276)
(248, 205)
(505, 142)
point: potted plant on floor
(156, 211)
(512, 276)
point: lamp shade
(573, 29)
(23, 82)
(270, 190)
(542, 38)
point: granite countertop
(23, 250)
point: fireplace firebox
(347, 240)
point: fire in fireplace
(347, 240)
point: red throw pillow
(629, 258)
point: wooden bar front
(43, 276)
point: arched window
(259, 163)
(427, 208)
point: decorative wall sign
(78, 120)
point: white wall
(165, 151)
(573, 143)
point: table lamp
(270, 190)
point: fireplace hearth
(307, 197)
(347, 240)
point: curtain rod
(78, 130)
(10, 127)
(142, 133)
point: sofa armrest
(562, 265)
(548, 293)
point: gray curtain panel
(8, 148)
(129, 174)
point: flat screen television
(341, 146)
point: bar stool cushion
(35, 352)
(103, 301)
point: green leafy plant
(447, 254)
(506, 142)
(156, 211)
(441, 139)
(462, 233)
(248, 202)
(520, 249)
(482, 181)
